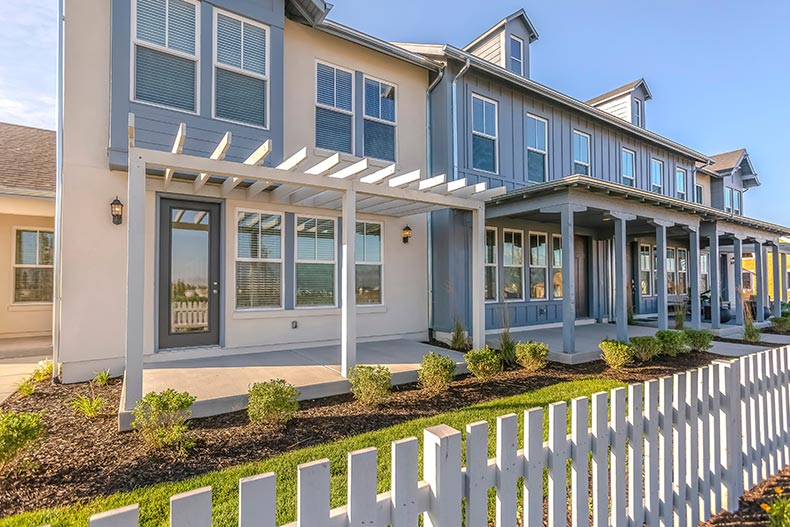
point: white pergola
(350, 189)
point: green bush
(644, 349)
(778, 510)
(673, 343)
(101, 378)
(370, 385)
(161, 420)
(272, 403)
(615, 354)
(532, 355)
(751, 333)
(483, 363)
(26, 388)
(17, 432)
(459, 341)
(90, 407)
(507, 349)
(781, 324)
(699, 339)
(436, 372)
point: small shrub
(17, 432)
(532, 355)
(644, 349)
(751, 333)
(699, 339)
(778, 510)
(679, 314)
(26, 388)
(673, 343)
(43, 371)
(370, 385)
(90, 407)
(483, 363)
(615, 354)
(101, 378)
(272, 403)
(436, 372)
(161, 420)
(507, 349)
(631, 316)
(781, 324)
(459, 340)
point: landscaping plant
(483, 363)
(532, 355)
(90, 407)
(459, 341)
(644, 349)
(680, 314)
(673, 343)
(507, 349)
(26, 387)
(751, 333)
(436, 372)
(101, 378)
(17, 432)
(161, 418)
(699, 339)
(272, 403)
(781, 324)
(370, 385)
(778, 510)
(43, 371)
(615, 354)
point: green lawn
(154, 500)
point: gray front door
(189, 249)
(581, 274)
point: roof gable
(623, 90)
(519, 16)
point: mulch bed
(81, 459)
(749, 512)
(744, 342)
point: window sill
(33, 306)
(303, 312)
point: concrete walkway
(18, 358)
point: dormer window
(516, 64)
(638, 115)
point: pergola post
(694, 300)
(348, 324)
(478, 275)
(737, 248)
(620, 278)
(568, 281)
(759, 269)
(661, 270)
(777, 281)
(715, 282)
(784, 278)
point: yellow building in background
(748, 265)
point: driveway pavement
(18, 358)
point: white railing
(188, 315)
(675, 451)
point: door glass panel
(189, 275)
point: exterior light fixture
(116, 209)
(406, 234)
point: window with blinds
(380, 120)
(240, 70)
(259, 263)
(491, 292)
(367, 247)
(315, 262)
(334, 111)
(166, 53)
(33, 265)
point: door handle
(215, 286)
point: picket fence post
(580, 449)
(258, 501)
(732, 452)
(403, 482)
(128, 516)
(507, 464)
(534, 463)
(442, 471)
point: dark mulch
(749, 511)
(739, 341)
(82, 459)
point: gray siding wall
(156, 127)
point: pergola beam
(219, 153)
(289, 164)
(178, 147)
(255, 159)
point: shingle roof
(626, 88)
(727, 160)
(27, 159)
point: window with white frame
(380, 120)
(484, 134)
(682, 287)
(259, 260)
(671, 271)
(746, 281)
(491, 292)
(538, 248)
(636, 118)
(581, 153)
(165, 53)
(33, 265)
(516, 55)
(698, 190)
(656, 175)
(513, 264)
(556, 267)
(368, 248)
(680, 183)
(628, 166)
(334, 111)
(728, 199)
(737, 196)
(315, 262)
(537, 148)
(240, 69)
(704, 270)
(645, 271)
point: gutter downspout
(429, 168)
(58, 199)
(453, 109)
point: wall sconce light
(116, 209)
(406, 234)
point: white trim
(623, 177)
(13, 303)
(509, 56)
(366, 117)
(280, 260)
(550, 279)
(380, 262)
(678, 272)
(545, 152)
(639, 114)
(685, 172)
(701, 189)
(650, 271)
(588, 163)
(297, 260)
(550, 325)
(334, 108)
(495, 137)
(545, 266)
(494, 264)
(652, 184)
(514, 266)
(674, 260)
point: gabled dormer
(732, 173)
(626, 102)
(506, 44)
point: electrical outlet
(294, 324)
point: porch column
(568, 281)
(348, 323)
(661, 259)
(777, 280)
(694, 300)
(135, 287)
(715, 282)
(784, 278)
(737, 249)
(759, 269)
(478, 278)
(621, 279)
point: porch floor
(220, 382)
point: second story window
(379, 129)
(698, 193)
(628, 165)
(728, 199)
(334, 112)
(680, 183)
(536, 149)
(736, 202)
(656, 176)
(637, 117)
(240, 81)
(165, 62)
(581, 153)
(484, 134)
(516, 63)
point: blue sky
(718, 69)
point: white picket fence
(675, 451)
(188, 315)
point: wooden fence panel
(652, 459)
(508, 470)
(403, 482)
(635, 428)
(476, 482)
(558, 457)
(600, 459)
(258, 501)
(580, 451)
(534, 463)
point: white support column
(348, 324)
(715, 282)
(135, 287)
(759, 269)
(737, 248)
(478, 278)
(620, 278)
(694, 300)
(777, 311)
(661, 271)
(568, 281)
